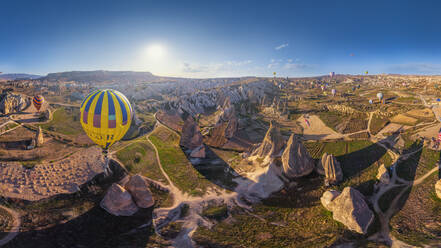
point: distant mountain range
(101, 76)
(13, 76)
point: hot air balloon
(106, 116)
(380, 96)
(38, 102)
(366, 72)
(333, 92)
(370, 101)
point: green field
(176, 165)
(291, 218)
(359, 161)
(65, 121)
(139, 157)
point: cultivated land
(53, 192)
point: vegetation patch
(216, 212)
(175, 163)
(65, 121)
(417, 222)
(140, 157)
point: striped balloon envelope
(106, 116)
(38, 102)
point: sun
(155, 51)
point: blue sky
(221, 38)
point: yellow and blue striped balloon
(106, 116)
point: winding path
(15, 226)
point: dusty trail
(196, 204)
(15, 226)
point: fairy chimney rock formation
(349, 208)
(118, 201)
(39, 137)
(330, 168)
(138, 188)
(272, 143)
(295, 159)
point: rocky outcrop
(328, 197)
(349, 208)
(227, 124)
(263, 184)
(48, 114)
(191, 138)
(118, 201)
(320, 169)
(383, 175)
(138, 188)
(330, 168)
(296, 160)
(39, 137)
(12, 103)
(438, 188)
(198, 101)
(272, 143)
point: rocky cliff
(12, 103)
(191, 138)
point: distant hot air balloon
(106, 116)
(370, 101)
(333, 92)
(332, 74)
(380, 96)
(38, 101)
(352, 55)
(438, 100)
(366, 72)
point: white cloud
(295, 66)
(281, 46)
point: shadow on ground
(94, 227)
(215, 169)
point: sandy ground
(430, 132)
(47, 179)
(317, 129)
(391, 128)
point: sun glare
(155, 51)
